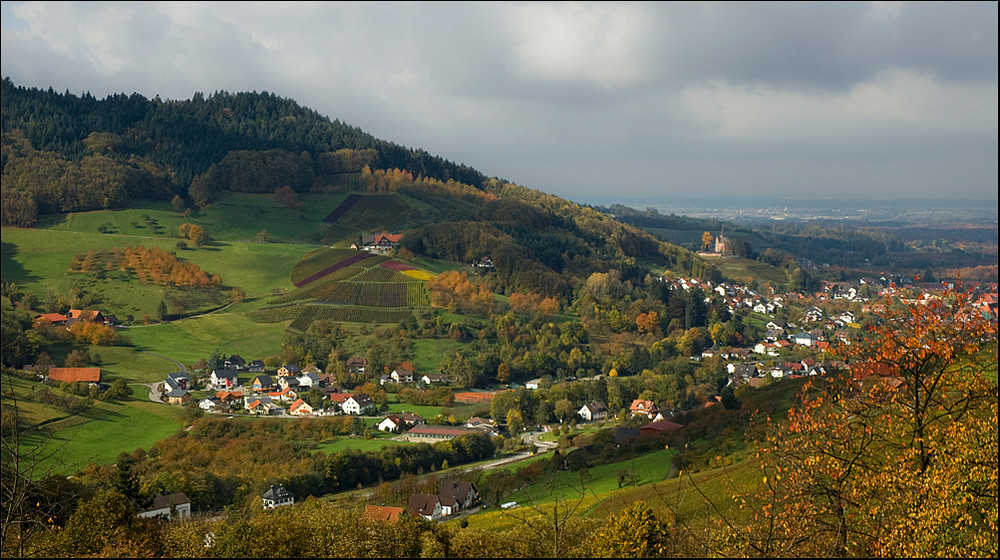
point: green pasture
(188, 340)
(427, 353)
(425, 412)
(100, 434)
(566, 485)
(375, 213)
(132, 365)
(683, 496)
(742, 269)
(38, 260)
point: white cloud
(574, 97)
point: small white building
(593, 411)
(357, 404)
(277, 496)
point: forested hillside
(127, 146)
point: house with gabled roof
(177, 380)
(277, 496)
(456, 496)
(641, 407)
(391, 423)
(258, 405)
(593, 411)
(356, 364)
(255, 366)
(235, 362)
(300, 408)
(380, 242)
(427, 506)
(228, 396)
(402, 375)
(224, 379)
(288, 394)
(288, 370)
(357, 404)
(288, 382)
(178, 396)
(434, 379)
(89, 315)
(308, 380)
(262, 383)
(56, 319)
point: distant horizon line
(641, 202)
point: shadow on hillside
(13, 270)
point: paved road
(154, 388)
(181, 367)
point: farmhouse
(402, 375)
(434, 379)
(380, 242)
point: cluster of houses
(266, 394)
(454, 497)
(76, 315)
(405, 376)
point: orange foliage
(898, 461)
(151, 266)
(454, 290)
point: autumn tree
(193, 232)
(706, 241)
(896, 458)
(635, 532)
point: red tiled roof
(383, 513)
(70, 375)
(53, 317)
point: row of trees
(150, 265)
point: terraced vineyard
(347, 285)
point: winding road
(154, 392)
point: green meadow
(188, 340)
(567, 485)
(110, 428)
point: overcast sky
(589, 101)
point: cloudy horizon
(589, 100)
